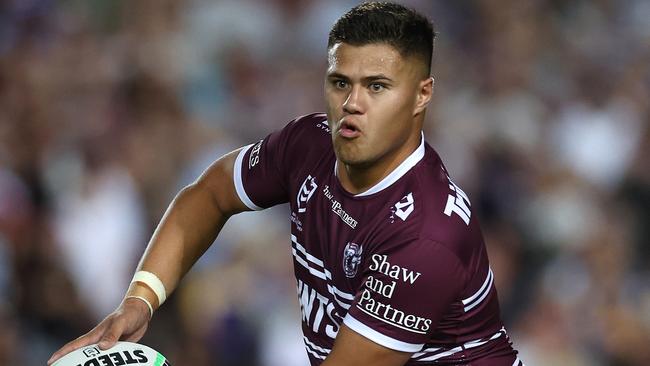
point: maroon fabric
(405, 266)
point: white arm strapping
(145, 301)
(153, 282)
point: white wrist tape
(145, 301)
(153, 282)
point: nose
(353, 103)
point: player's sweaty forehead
(358, 62)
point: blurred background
(541, 112)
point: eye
(377, 87)
(340, 84)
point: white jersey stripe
(427, 350)
(344, 295)
(379, 338)
(332, 290)
(239, 185)
(483, 296)
(442, 354)
(328, 274)
(518, 362)
(304, 251)
(304, 263)
(477, 343)
(434, 353)
(315, 347)
(478, 293)
(316, 271)
(315, 354)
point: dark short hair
(408, 31)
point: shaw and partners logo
(351, 259)
(305, 192)
(379, 288)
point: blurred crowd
(541, 112)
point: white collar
(397, 173)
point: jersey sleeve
(260, 171)
(406, 291)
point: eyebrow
(366, 79)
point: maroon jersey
(403, 263)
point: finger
(111, 335)
(137, 335)
(89, 338)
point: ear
(425, 91)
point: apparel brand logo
(351, 259)
(324, 126)
(405, 206)
(305, 192)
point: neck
(359, 178)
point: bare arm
(353, 349)
(193, 220)
(191, 223)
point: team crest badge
(351, 259)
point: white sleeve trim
(379, 338)
(239, 185)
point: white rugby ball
(121, 354)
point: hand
(128, 322)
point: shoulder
(303, 143)
(303, 135)
(298, 135)
(445, 216)
(313, 125)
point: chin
(355, 160)
(351, 154)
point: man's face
(372, 95)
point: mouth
(348, 129)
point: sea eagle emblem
(351, 259)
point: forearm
(190, 225)
(187, 229)
(192, 222)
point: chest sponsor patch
(379, 289)
(255, 155)
(337, 208)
